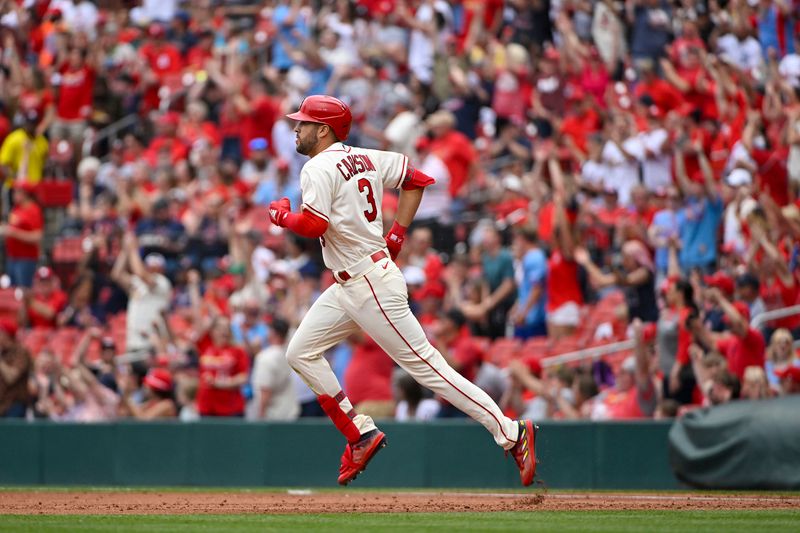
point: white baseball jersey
(344, 185)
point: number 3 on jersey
(372, 212)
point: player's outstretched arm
(306, 224)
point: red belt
(377, 256)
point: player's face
(306, 137)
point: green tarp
(740, 445)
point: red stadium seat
(502, 351)
(55, 193)
(9, 304)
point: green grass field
(556, 521)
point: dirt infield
(154, 502)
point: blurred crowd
(606, 171)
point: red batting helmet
(326, 110)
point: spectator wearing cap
(149, 292)
(528, 313)
(700, 218)
(548, 392)
(15, 367)
(663, 96)
(635, 273)
(274, 395)
(634, 394)
(195, 125)
(772, 175)
(161, 234)
(158, 395)
(714, 316)
(42, 304)
(23, 154)
(789, 380)
(255, 169)
(748, 290)
(76, 91)
(744, 346)
(23, 235)
(581, 121)
(105, 367)
(250, 330)
(224, 369)
(163, 57)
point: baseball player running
(342, 188)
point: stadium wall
(222, 453)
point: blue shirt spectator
(288, 21)
(699, 223)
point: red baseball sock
(343, 421)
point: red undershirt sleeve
(306, 224)
(416, 179)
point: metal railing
(110, 131)
(588, 353)
(621, 346)
(767, 316)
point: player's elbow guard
(416, 179)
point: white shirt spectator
(153, 10)
(426, 410)
(436, 200)
(594, 173)
(272, 372)
(421, 47)
(623, 172)
(789, 69)
(745, 55)
(145, 304)
(656, 163)
(402, 132)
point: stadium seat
(55, 193)
(502, 351)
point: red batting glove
(278, 211)
(394, 239)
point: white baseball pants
(377, 302)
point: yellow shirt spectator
(14, 154)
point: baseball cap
(259, 143)
(9, 327)
(720, 280)
(748, 280)
(159, 379)
(44, 273)
(739, 177)
(155, 261)
(742, 308)
(629, 364)
(107, 343)
(26, 186)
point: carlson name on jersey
(353, 165)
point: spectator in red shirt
(664, 95)
(23, 234)
(76, 91)
(223, 370)
(772, 174)
(197, 56)
(166, 149)
(41, 305)
(455, 150)
(564, 295)
(459, 349)
(368, 378)
(162, 57)
(745, 346)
